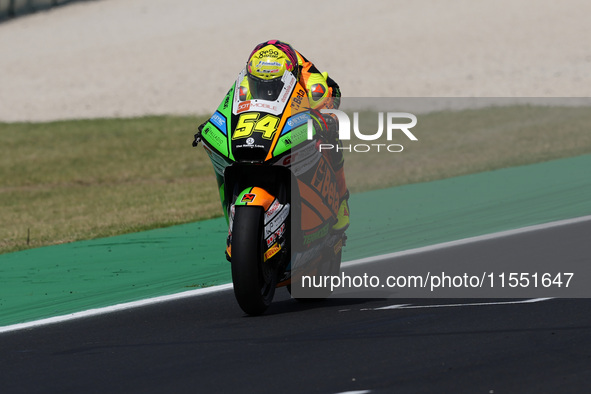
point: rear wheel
(254, 281)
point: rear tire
(254, 281)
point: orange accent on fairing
(263, 198)
(310, 218)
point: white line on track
(116, 308)
(465, 241)
(409, 306)
(215, 289)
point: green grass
(470, 141)
(72, 180)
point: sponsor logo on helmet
(266, 53)
(262, 63)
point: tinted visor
(264, 89)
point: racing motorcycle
(278, 193)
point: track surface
(206, 344)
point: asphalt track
(206, 344)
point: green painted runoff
(62, 279)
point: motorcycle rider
(265, 66)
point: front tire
(254, 281)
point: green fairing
(225, 109)
(300, 135)
(211, 133)
(290, 139)
(241, 195)
(283, 145)
(216, 139)
(224, 204)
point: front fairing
(258, 130)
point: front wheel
(254, 281)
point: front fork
(276, 220)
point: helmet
(266, 65)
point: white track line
(409, 306)
(116, 308)
(465, 241)
(215, 289)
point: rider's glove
(332, 128)
(332, 125)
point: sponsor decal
(219, 121)
(249, 146)
(317, 91)
(231, 219)
(311, 237)
(301, 259)
(302, 160)
(276, 235)
(325, 182)
(272, 209)
(256, 105)
(274, 224)
(272, 251)
(263, 63)
(287, 90)
(250, 122)
(296, 102)
(295, 121)
(248, 197)
(245, 106)
(267, 53)
(261, 105)
(212, 135)
(338, 247)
